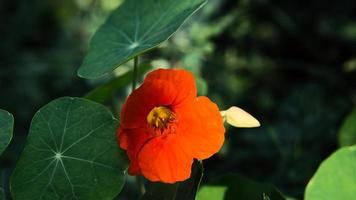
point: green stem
(135, 72)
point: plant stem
(134, 78)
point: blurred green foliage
(347, 132)
(289, 63)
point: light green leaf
(71, 153)
(335, 178)
(232, 187)
(135, 27)
(6, 129)
(347, 134)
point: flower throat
(160, 117)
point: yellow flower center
(159, 117)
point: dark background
(292, 64)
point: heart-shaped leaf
(347, 134)
(233, 186)
(71, 153)
(335, 178)
(135, 27)
(6, 128)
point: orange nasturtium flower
(164, 126)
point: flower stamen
(160, 117)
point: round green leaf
(347, 134)
(6, 128)
(71, 153)
(335, 178)
(135, 27)
(233, 186)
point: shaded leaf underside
(185, 190)
(347, 134)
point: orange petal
(142, 100)
(201, 128)
(161, 87)
(122, 138)
(132, 141)
(162, 159)
(182, 80)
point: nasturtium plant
(135, 27)
(71, 153)
(347, 133)
(75, 146)
(6, 128)
(233, 186)
(335, 178)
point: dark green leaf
(2, 194)
(6, 128)
(135, 27)
(104, 93)
(335, 178)
(347, 134)
(160, 191)
(185, 190)
(71, 153)
(236, 187)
